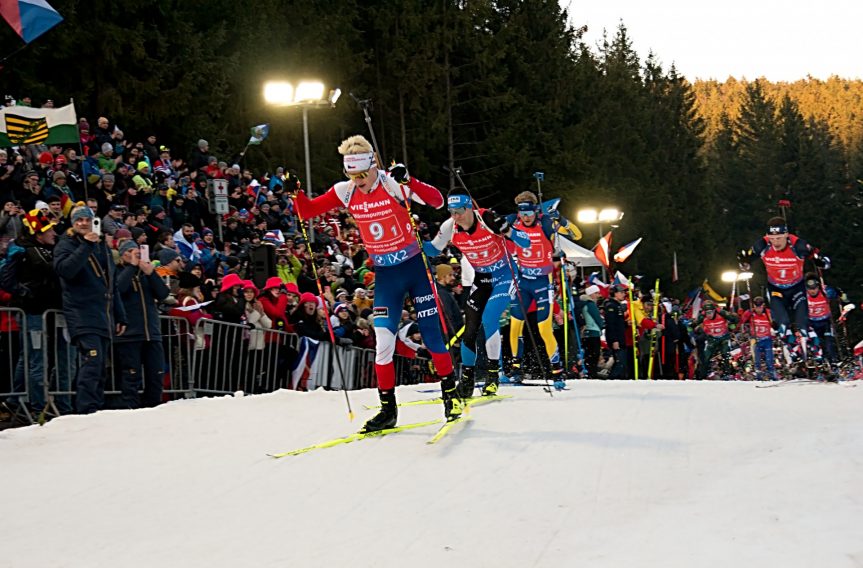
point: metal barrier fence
(15, 361)
(210, 358)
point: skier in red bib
(376, 200)
(783, 255)
(762, 331)
(479, 235)
(715, 324)
(820, 317)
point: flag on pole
(627, 250)
(301, 368)
(620, 278)
(259, 133)
(595, 280)
(711, 292)
(674, 275)
(25, 125)
(601, 250)
(29, 18)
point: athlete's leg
(390, 290)
(428, 319)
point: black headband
(777, 229)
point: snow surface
(606, 474)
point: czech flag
(601, 250)
(626, 251)
(29, 18)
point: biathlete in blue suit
(479, 235)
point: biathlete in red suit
(479, 235)
(762, 328)
(820, 317)
(783, 256)
(375, 199)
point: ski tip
(351, 415)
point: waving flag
(626, 251)
(620, 278)
(29, 18)
(601, 250)
(25, 125)
(259, 133)
(711, 292)
(301, 368)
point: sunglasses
(358, 175)
(527, 213)
(457, 210)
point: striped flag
(29, 18)
(25, 125)
(601, 250)
(627, 250)
(301, 369)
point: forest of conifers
(501, 88)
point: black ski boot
(492, 381)
(466, 384)
(388, 415)
(453, 405)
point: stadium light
(729, 276)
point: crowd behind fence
(213, 358)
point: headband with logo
(458, 200)
(355, 163)
(526, 207)
(777, 230)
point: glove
(554, 214)
(291, 182)
(822, 262)
(495, 222)
(399, 172)
(424, 353)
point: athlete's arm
(424, 193)
(308, 208)
(443, 237)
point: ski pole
(327, 316)
(634, 337)
(653, 332)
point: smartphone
(145, 253)
(97, 225)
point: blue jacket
(139, 294)
(87, 277)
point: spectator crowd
(115, 232)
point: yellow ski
(354, 437)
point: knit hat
(308, 297)
(340, 308)
(136, 232)
(107, 147)
(592, 289)
(46, 158)
(229, 281)
(141, 165)
(166, 256)
(443, 270)
(157, 209)
(41, 205)
(368, 278)
(37, 222)
(82, 212)
(202, 143)
(127, 246)
(123, 234)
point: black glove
(424, 353)
(399, 172)
(745, 256)
(291, 183)
(822, 262)
(498, 225)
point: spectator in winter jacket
(308, 319)
(229, 306)
(38, 289)
(141, 345)
(288, 266)
(593, 324)
(113, 220)
(184, 239)
(11, 226)
(275, 304)
(616, 330)
(91, 305)
(444, 280)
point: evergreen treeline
(501, 88)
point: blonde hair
(526, 197)
(356, 144)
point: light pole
(733, 277)
(609, 215)
(308, 94)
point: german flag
(23, 130)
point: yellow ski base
(354, 437)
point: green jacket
(289, 272)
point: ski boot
(492, 382)
(388, 414)
(453, 405)
(512, 370)
(466, 384)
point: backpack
(9, 264)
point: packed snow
(605, 474)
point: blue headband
(458, 200)
(526, 208)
